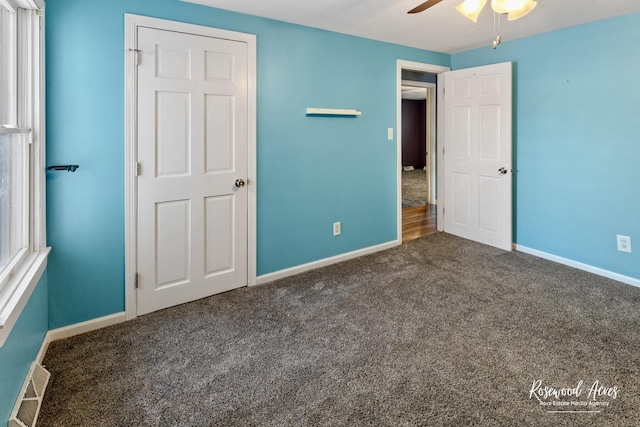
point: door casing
(132, 22)
(425, 68)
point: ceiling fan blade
(424, 6)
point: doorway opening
(418, 145)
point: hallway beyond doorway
(418, 221)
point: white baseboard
(580, 266)
(77, 329)
(270, 277)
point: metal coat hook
(68, 168)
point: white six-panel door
(192, 148)
(478, 177)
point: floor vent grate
(25, 413)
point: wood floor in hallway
(418, 221)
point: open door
(477, 154)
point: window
(22, 245)
(12, 153)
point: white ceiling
(441, 28)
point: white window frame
(25, 274)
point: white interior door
(192, 147)
(477, 154)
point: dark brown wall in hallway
(414, 124)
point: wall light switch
(390, 134)
(337, 229)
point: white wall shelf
(332, 112)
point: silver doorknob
(239, 182)
(502, 171)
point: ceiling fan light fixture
(507, 6)
(471, 8)
(529, 5)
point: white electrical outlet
(624, 243)
(390, 134)
(336, 229)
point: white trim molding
(21, 277)
(579, 265)
(281, 274)
(424, 68)
(28, 277)
(77, 329)
(132, 22)
(29, 4)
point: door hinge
(135, 280)
(136, 56)
(443, 210)
(137, 169)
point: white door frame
(132, 22)
(424, 68)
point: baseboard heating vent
(25, 413)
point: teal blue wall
(576, 150)
(311, 171)
(21, 348)
(576, 139)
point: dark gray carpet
(437, 332)
(414, 188)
